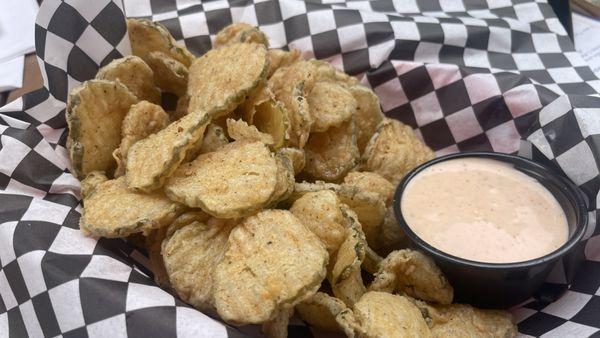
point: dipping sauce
(483, 210)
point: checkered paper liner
(467, 75)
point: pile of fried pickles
(265, 192)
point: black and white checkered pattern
(496, 75)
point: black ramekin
(501, 285)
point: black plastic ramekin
(501, 285)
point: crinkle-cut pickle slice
(368, 114)
(239, 130)
(114, 210)
(330, 106)
(272, 261)
(279, 58)
(296, 157)
(144, 118)
(270, 117)
(345, 276)
(381, 314)
(285, 180)
(236, 180)
(414, 274)
(95, 112)
(331, 154)
(134, 74)
(320, 212)
(153, 159)
(214, 138)
(321, 310)
(290, 86)
(325, 71)
(191, 254)
(258, 95)
(223, 78)
(463, 320)
(371, 182)
(240, 32)
(369, 206)
(147, 36)
(394, 150)
(91, 181)
(170, 75)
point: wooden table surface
(32, 79)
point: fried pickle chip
(214, 138)
(320, 311)
(285, 180)
(241, 131)
(331, 154)
(278, 327)
(113, 210)
(330, 106)
(371, 182)
(95, 112)
(91, 181)
(394, 150)
(369, 207)
(380, 314)
(189, 218)
(285, 79)
(147, 36)
(372, 259)
(153, 159)
(296, 156)
(391, 236)
(272, 261)
(414, 274)
(345, 276)
(290, 86)
(303, 188)
(271, 118)
(236, 180)
(144, 118)
(260, 94)
(191, 255)
(463, 320)
(223, 78)
(326, 72)
(368, 114)
(279, 58)
(300, 119)
(320, 212)
(134, 74)
(153, 245)
(240, 32)
(170, 75)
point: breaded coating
(272, 261)
(380, 314)
(371, 182)
(393, 151)
(414, 274)
(463, 320)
